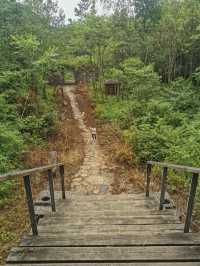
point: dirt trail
(93, 176)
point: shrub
(140, 80)
(11, 146)
(124, 154)
(5, 192)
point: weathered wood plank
(109, 240)
(28, 172)
(191, 202)
(99, 199)
(110, 212)
(79, 214)
(148, 179)
(107, 197)
(111, 201)
(112, 207)
(109, 205)
(30, 204)
(176, 167)
(105, 254)
(131, 220)
(107, 228)
(117, 264)
(163, 188)
(113, 214)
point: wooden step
(117, 264)
(97, 197)
(120, 212)
(108, 204)
(131, 220)
(104, 254)
(161, 239)
(107, 228)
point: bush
(161, 128)
(140, 80)
(124, 154)
(5, 192)
(112, 109)
(11, 146)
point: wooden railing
(26, 174)
(163, 186)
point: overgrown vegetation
(29, 57)
(152, 48)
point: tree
(85, 7)
(29, 31)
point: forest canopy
(150, 46)
(29, 53)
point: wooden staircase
(112, 230)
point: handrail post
(27, 185)
(51, 190)
(190, 206)
(148, 178)
(62, 177)
(163, 188)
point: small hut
(56, 78)
(112, 87)
(70, 82)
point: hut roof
(70, 82)
(111, 82)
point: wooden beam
(156, 239)
(163, 188)
(62, 177)
(176, 167)
(191, 201)
(51, 190)
(27, 185)
(22, 173)
(114, 264)
(148, 179)
(105, 254)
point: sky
(68, 6)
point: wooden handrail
(163, 186)
(22, 173)
(27, 185)
(183, 168)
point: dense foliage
(27, 55)
(152, 48)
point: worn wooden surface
(112, 230)
(177, 167)
(162, 239)
(107, 254)
(191, 202)
(116, 264)
(29, 171)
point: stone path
(93, 177)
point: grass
(6, 195)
